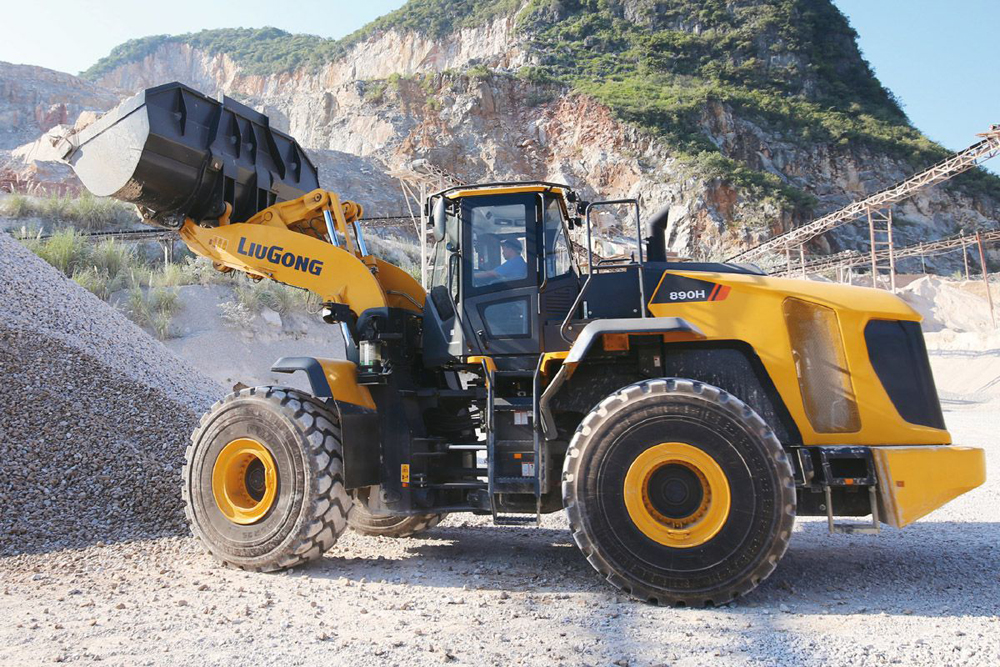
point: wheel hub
(677, 495)
(675, 491)
(244, 481)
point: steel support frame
(962, 161)
(880, 233)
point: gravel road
(469, 593)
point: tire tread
(326, 514)
(736, 408)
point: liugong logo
(276, 255)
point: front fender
(329, 378)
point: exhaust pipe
(656, 236)
(176, 153)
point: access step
(874, 528)
(514, 485)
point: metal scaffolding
(877, 209)
(852, 259)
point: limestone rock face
(461, 103)
(399, 96)
(34, 100)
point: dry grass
(85, 212)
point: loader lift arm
(314, 243)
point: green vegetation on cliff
(791, 67)
(273, 51)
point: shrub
(85, 212)
(236, 315)
(112, 258)
(153, 308)
(283, 299)
(478, 72)
(65, 250)
(99, 284)
(15, 206)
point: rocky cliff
(34, 100)
(744, 116)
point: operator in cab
(513, 266)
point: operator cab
(502, 274)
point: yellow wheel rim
(244, 481)
(677, 495)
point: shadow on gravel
(932, 568)
(928, 569)
(505, 559)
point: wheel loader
(681, 413)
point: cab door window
(558, 255)
(501, 252)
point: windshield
(499, 242)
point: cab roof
(486, 189)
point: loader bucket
(177, 153)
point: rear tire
(678, 493)
(264, 481)
(364, 522)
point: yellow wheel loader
(681, 413)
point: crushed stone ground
(474, 594)
(96, 566)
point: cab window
(500, 248)
(441, 264)
(558, 255)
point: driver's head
(511, 248)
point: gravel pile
(35, 297)
(94, 416)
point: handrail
(572, 309)
(601, 264)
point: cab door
(500, 274)
(560, 279)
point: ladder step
(514, 403)
(514, 374)
(513, 485)
(854, 529)
(529, 445)
(874, 528)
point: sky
(938, 57)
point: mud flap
(360, 437)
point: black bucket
(177, 153)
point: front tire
(678, 493)
(263, 479)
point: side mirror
(440, 219)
